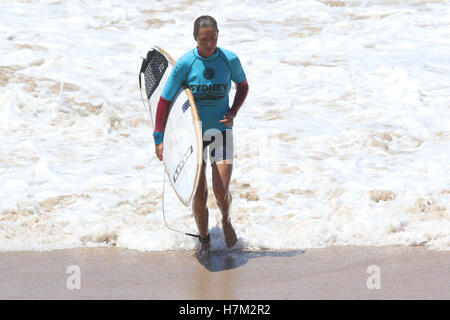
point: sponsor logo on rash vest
(209, 92)
(209, 73)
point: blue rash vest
(210, 82)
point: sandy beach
(329, 273)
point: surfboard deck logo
(182, 153)
(180, 166)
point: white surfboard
(182, 153)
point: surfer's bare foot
(204, 248)
(205, 245)
(229, 233)
(228, 230)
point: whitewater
(344, 138)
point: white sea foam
(344, 138)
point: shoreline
(393, 272)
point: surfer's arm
(161, 116)
(238, 77)
(239, 97)
(171, 87)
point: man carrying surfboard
(208, 71)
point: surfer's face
(207, 41)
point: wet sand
(329, 273)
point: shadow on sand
(216, 261)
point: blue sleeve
(237, 72)
(176, 78)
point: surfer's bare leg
(199, 206)
(221, 177)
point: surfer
(208, 71)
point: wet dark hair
(204, 21)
